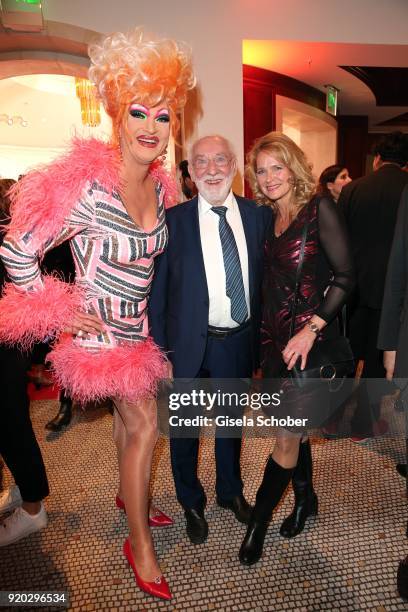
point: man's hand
(389, 363)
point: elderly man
(205, 311)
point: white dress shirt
(219, 314)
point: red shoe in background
(120, 504)
(359, 439)
(158, 520)
(157, 588)
(40, 376)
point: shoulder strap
(298, 276)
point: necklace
(281, 224)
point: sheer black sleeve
(336, 246)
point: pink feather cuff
(27, 317)
(129, 372)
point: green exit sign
(331, 100)
(9, 6)
(22, 15)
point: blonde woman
(280, 176)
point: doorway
(313, 130)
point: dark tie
(233, 273)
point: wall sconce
(90, 104)
(13, 120)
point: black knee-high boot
(275, 480)
(305, 498)
(64, 415)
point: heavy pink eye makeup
(163, 115)
(139, 111)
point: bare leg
(286, 450)
(119, 436)
(135, 433)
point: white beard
(215, 194)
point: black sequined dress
(327, 279)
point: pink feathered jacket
(76, 198)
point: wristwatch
(313, 327)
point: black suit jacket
(370, 206)
(393, 333)
(178, 304)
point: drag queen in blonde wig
(108, 200)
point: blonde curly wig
(291, 156)
(127, 67)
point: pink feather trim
(44, 198)
(168, 181)
(27, 317)
(128, 372)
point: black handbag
(329, 359)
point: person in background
(187, 184)
(332, 180)
(393, 333)
(5, 186)
(18, 444)
(57, 260)
(60, 261)
(370, 206)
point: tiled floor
(345, 560)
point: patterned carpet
(346, 559)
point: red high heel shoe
(120, 503)
(158, 520)
(157, 588)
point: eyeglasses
(202, 162)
